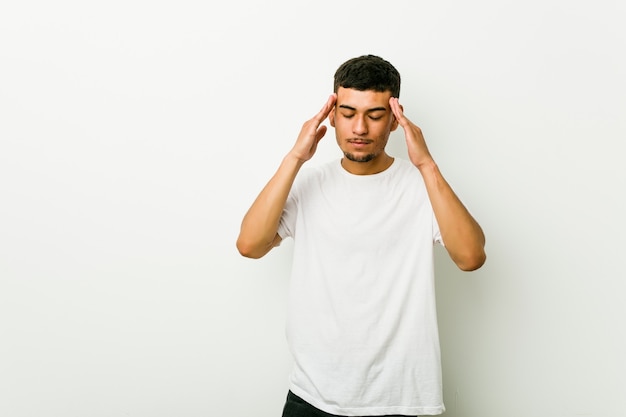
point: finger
(323, 113)
(395, 107)
(320, 133)
(398, 112)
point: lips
(359, 142)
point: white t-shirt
(362, 324)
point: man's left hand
(416, 145)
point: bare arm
(462, 235)
(258, 234)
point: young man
(362, 324)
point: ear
(331, 117)
(394, 122)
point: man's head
(368, 72)
(362, 115)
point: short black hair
(368, 72)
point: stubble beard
(365, 158)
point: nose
(359, 126)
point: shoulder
(405, 169)
(318, 173)
(312, 178)
(404, 165)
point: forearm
(260, 224)
(462, 235)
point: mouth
(359, 142)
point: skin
(363, 121)
(462, 235)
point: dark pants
(297, 407)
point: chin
(359, 158)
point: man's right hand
(312, 132)
(259, 228)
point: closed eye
(376, 115)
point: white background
(134, 135)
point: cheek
(341, 125)
(382, 130)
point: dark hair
(368, 72)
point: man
(362, 324)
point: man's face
(363, 121)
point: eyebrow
(345, 106)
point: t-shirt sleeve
(289, 217)
(436, 232)
(286, 226)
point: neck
(375, 166)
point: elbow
(247, 250)
(472, 261)
(251, 249)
